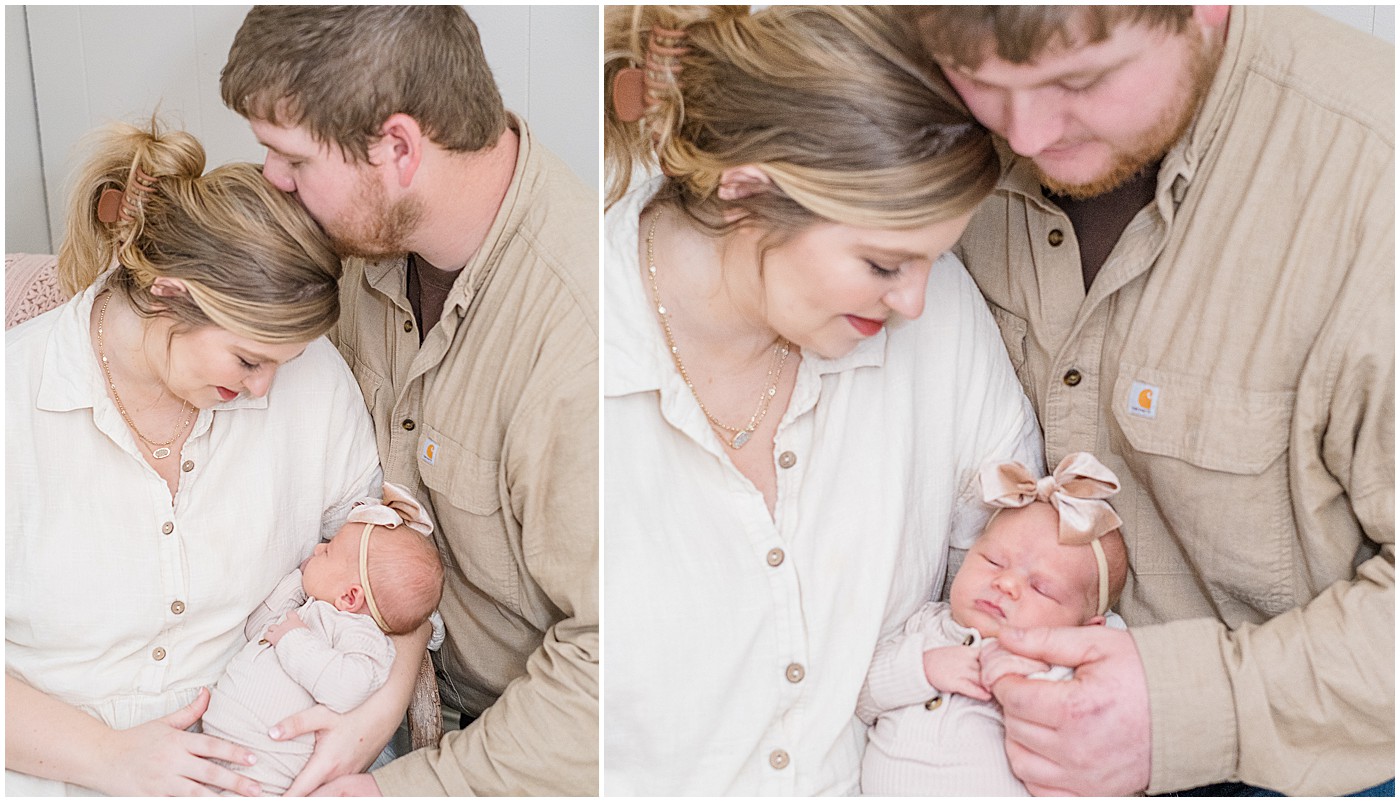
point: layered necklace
(737, 436)
(160, 450)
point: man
(1191, 257)
(469, 317)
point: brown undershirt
(1099, 221)
(428, 288)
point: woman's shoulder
(318, 371)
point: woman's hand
(159, 758)
(347, 743)
(955, 669)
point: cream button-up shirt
(118, 600)
(737, 642)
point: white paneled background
(69, 69)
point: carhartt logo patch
(429, 452)
(1143, 399)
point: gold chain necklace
(161, 450)
(781, 349)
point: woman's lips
(226, 394)
(866, 326)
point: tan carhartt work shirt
(1234, 364)
(495, 421)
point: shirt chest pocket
(472, 529)
(1211, 462)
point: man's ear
(352, 600)
(737, 183)
(401, 146)
(164, 287)
(1210, 16)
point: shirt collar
(636, 350)
(71, 378)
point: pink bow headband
(1078, 490)
(397, 508)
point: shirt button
(177, 607)
(934, 703)
(778, 759)
(787, 459)
(158, 653)
(775, 557)
(795, 672)
(409, 425)
(166, 528)
(1073, 377)
(187, 465)
(1056, 237)
(408, 325)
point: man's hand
(350, 785)
(276, 631)
(997, 662)
(954, 669)
(1090, 735)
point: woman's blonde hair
(253, 261)
(839, 106)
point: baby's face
(335, 565)
(1018, 575)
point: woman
(159, 481)
(800, 383)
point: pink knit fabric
(31, 286)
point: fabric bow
(398, 507)
(1077, 489)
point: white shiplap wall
(92, 64)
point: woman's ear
(164, 287)
(737, 183)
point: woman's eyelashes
(882, 271)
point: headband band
(364, 578)
(1078, 490)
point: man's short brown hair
(341, 71)
(959, 35)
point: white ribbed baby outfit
(338, 660)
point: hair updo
(839, 106)
(253, 260)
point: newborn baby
(322, 635)
(1052, 556)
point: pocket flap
(468, 480)
(1220, 428)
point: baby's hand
(998, 662)
(954, 669)
(276, 631)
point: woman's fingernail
(274, 733)
(252, 760)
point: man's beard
(383, 230)
(1153, 145)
